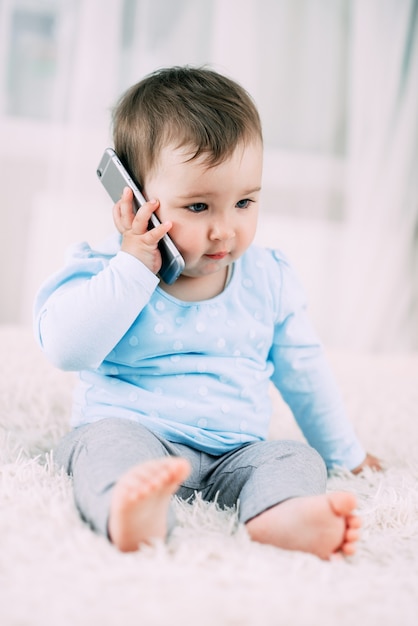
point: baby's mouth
(218, 255)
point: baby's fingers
(156, 233)
(142, 217)
(123, 211)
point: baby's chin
(206, 267)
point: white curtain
(336, 82)
(379, 279)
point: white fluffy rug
(54, 570)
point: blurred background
(336, 83)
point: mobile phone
(115, 177)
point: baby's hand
(369, 461)
(136, 238)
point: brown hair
(183, 106)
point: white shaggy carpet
(54, 570)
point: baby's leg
(104, 459)
(140, 502)
(281, 486)
(322, 525)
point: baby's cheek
(187, 241)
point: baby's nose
(222, 229)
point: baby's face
(214, 210)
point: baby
(174, 378)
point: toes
(342, 503)
(352, 535)
(172, 472)
(348, 548)
(153, 477)
(180, 468)
(354, 521)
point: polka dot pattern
(199, 373)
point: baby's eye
(197, 207)
(244, 204)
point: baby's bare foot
(323, 525)
(140, 501)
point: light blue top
(193, 372)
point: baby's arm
(307, 385)
(82, 312)
(305, 380)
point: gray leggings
(258, 475)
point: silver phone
(115, 177)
